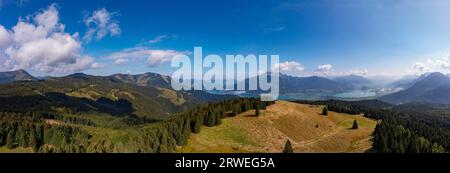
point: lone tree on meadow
(288, 147)
(325, 111)
(257, 111)
(355, 125)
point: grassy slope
(282, 121)
(3, 149)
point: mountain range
(150, 95)
(432, 88)
(405, 82)
(146, 79)
(293, 84)
(358, 82)
(147, 95)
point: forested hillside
(52, 133)
(400, 130)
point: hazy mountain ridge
(293, 84)
(433, 88)
(404, 82)
(358, 82)
(18, 75)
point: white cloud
(420, 68)
(40, 43)
(276, 29)
(96, 65)
(100, 24)
(121, 61)
(360, 72)
(157, 39)
(49, 19)
(443, 62)
(326, 70)
(291, 67)
(325, 67)
(154, 58)
(437, 63)
(5, 38)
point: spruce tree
(10, 139)
(288, 147)
(436, 148)
(257, 111)
(355, 125)
(325, 111)
(211, 119)
(33, 141)
(197, 124)
(219, 119)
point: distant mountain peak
(83, 76)
(294, 84)
(430, 87)
(351, 76)
(21, 71)
(17, 75)
(356, 81)
(435, 78)
(78, 75)
(437, 75)
(145, 79)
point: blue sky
(368, 37)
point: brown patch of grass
(52, 122)
(172, 96)
(4, 149)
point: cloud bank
(39, 42)
(438, 63)
(154, 58)
(326, 70)
(290, 67)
